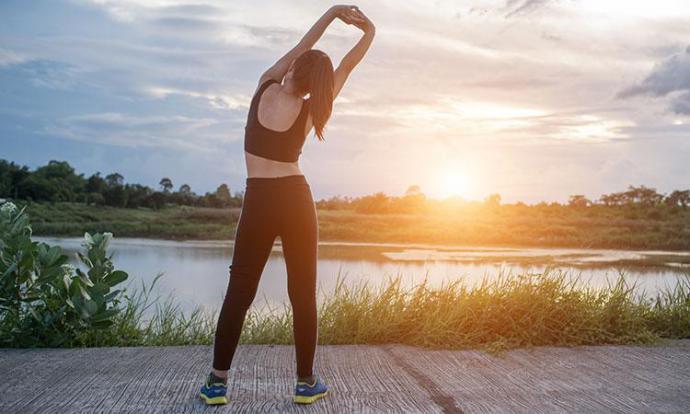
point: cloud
(218, 101)
(51, 74)
(522, 7)
(681, 104)
(188, 23)
(670, 77)
(516, 78)
(121, 129)
(10, 57)
(198, 10)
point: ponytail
(313, 73)
(321, 93)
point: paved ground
(382, 379)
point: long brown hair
(313, 74)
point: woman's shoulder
(264, 84)
(260, 90)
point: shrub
(44, 301)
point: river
(196, 272)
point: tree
(11, 176)
(413, 190)
(37, 188)
(137, 195)
(96, 199)
(643, 195)
(166, 184)
(59, 181)
(96, 184)
(114, 179)
(678, 198)
(413, 201)
(156, 200)
(223, 195)
(116, 196)
(614, 199)
(578, 201)
(375, 203)
(184, 196)
(185, 189)
(210, 200)
(493, 200)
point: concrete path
(380, 379)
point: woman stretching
(278, 200)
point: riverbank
(510, 311)
(363, 379)
(83, 304)
(513, 226)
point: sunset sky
(535, 100)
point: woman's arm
(354, 56)
(280, 68)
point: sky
(532, 99)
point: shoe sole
(303, 399)
(214, 400)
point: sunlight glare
(454, 183)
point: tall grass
(154, 321)
(502, 313)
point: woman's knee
(302, 299)
(242, 288)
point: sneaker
(214, 394)
(308, 393)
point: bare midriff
(263, 167)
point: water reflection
(196, 273)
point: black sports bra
(285, 146)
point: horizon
(412, 189)
(462, 100)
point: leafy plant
(44, 301)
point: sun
(454, 183)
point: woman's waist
(258, 166)
(270, 174)
(273, 171)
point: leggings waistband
(286, 180)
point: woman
(278, 199)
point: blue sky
(533, 99)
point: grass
(504, 313)
(551, 226)
(73, 219)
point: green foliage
(58, 182)
(43, 300)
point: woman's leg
(299, 237)
(254, 238)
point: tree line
(414, 201)
(58, 182)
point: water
(196, 273)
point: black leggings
(284, 207)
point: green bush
(44, 301)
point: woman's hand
(363, 21)
(348, 14)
